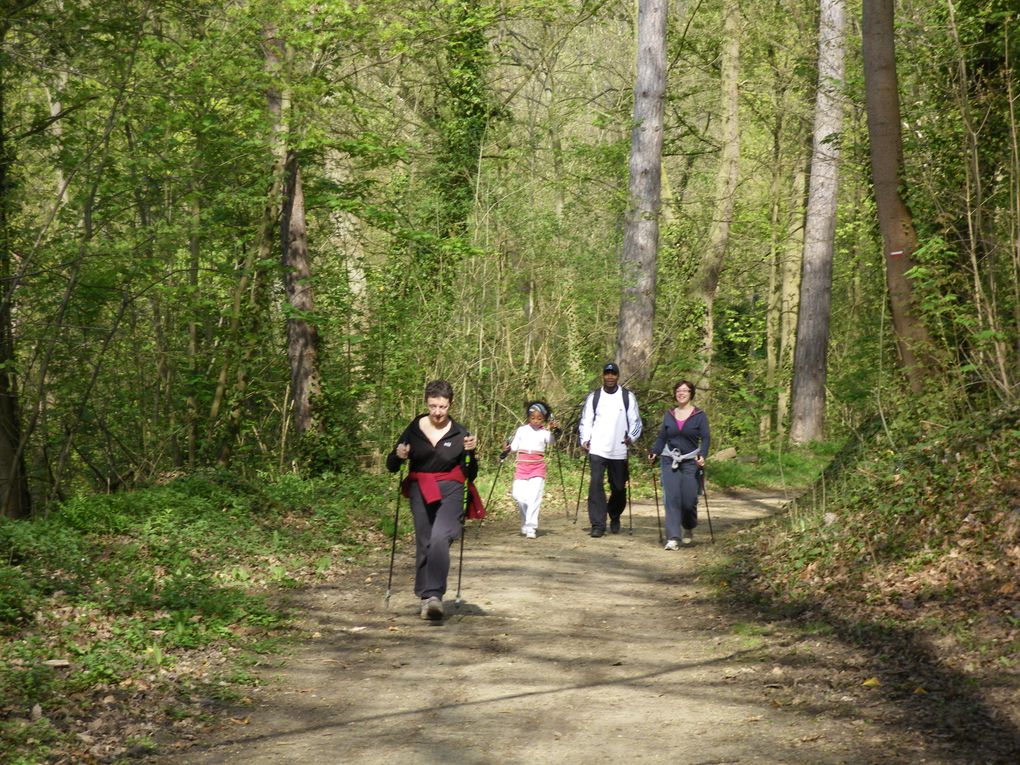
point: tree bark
(636, 324)
(811, 352)
(15, 499)
(899, 239)
(790, 290)
(302, 335)
(727, 177)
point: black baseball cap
(611, 367)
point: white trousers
(527, 494)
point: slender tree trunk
(727, 177)
(772, 313)
(899, 240)
(302, 335)
(790, 291)
(15, 500)
(811, 353)
(634, 338)
(193, 361)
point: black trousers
(436, 526)
(598, 506)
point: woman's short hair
(439, 389)
(690, 387)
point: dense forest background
(237, 237)
(246, 233)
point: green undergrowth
(768, 469)
(915, 526)
(114, 590)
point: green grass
(792, 468)
(122, 586)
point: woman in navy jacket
(681, 446)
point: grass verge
(125, 615)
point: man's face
(609, 379)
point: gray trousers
(679, 495)
(436, 526)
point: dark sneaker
(597, 532)
(614, 525)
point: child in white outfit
(530, 442)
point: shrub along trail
(569, 649)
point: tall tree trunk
(899, 240)
(790, 287)
(727, 177)
(810, 355)
(193, 360)
(15, 500)
(773, 317)
(636, 325)
(302, 335)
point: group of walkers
(441, 457)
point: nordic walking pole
(580, 486)
(463, 519)
(563, 485)
(630, 503)
(502, 459)
(655, 488)
(393, 544)
(704, 493)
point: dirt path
(566, 649)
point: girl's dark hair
(548, 409)
(439, 389)
(689, 384)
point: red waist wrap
(428, 483)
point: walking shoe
(672, 545)
(530, 534)
(597, 532)
(688, 536)
(433, 609)
(614, 525)
(424, 608)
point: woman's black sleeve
(393, 462)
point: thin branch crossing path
(567, 649)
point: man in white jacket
(610, 423)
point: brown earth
(568, 649)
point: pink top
(680, 421)
(530, 444)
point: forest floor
(569, 649)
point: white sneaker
(530, 534)
(672, 545)
(432, 609)
(688, 537)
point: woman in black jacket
(442, 459)
(681, 446)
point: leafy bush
(15, 596)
